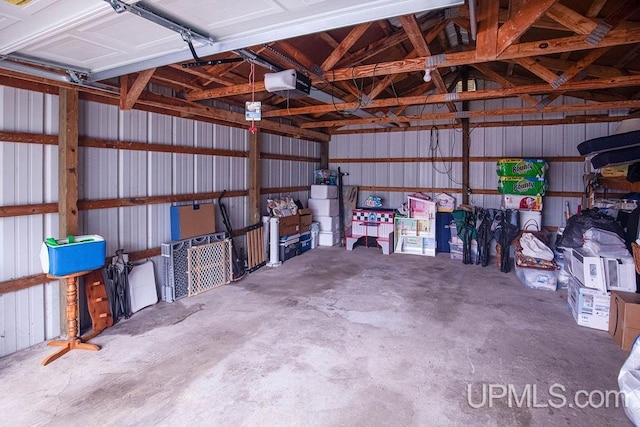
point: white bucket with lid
(530, 220)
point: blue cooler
(305, 242)
(62, 258)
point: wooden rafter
(600, 71)
(129, 96)
(396, 39)
(344, 46)
(625, 81)
(487, 39)
(595, 8)
(412, 28)
(534, 66)
(478, 113)
(616, 37)
(505, 83)
(520, 22)
(571, 19)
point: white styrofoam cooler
(328, 223)
(324, 192)
(329, 238)
(324, 207)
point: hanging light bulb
(427, 75)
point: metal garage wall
(29, 176)
(507, 141)
(413, 174)
(27, 316)
(108, 173)
(287, 173)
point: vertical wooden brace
(67, 175)
(254, 177)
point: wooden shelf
(619, 184)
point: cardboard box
(85, 254)
(324, 192)
(590, 307)
(289, 225)
(192, 220)
(624, 318)
(304, 220)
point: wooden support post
(324, 155)
(254, 177)
(67, 176)
(466, 141)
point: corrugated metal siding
(413, 174)
(28, 316)
(507, 141)
(29, 175)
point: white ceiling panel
(91, 35)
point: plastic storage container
(538, 279)
(456, 250)
(86, 253)
(289, 247)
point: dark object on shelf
(633, 172)
(616, 142)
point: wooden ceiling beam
(201, 74)
(478, 113)
(569, 120)
(487, 37)
(600, 71)
(328, 39)
(344, 46)
(584, 85)
(571, 19)
(129, 96)
(521, 21)
(622, 36)
(385, 43)
(532, 65)
(616, 37)
(412, 28)
(505, 83)
(595, 8)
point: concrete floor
(330, 338)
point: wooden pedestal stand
(73, 341)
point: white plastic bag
(629, 383)
(533, 247)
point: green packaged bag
(522, 167)
(525, 185)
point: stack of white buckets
(325, 210)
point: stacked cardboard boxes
(325, 210)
